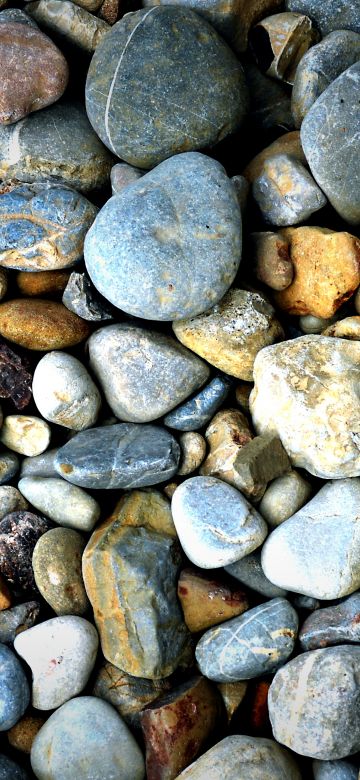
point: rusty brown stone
(258, 706)
(232, 695)
(5, 595)
(289, 143)
(15, 377)
(41, 325)
(272, 261)
(227, 433)
(22, 735)
(42, 282)
(207, 602)
(109, 11)
(285, 36)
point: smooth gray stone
(119, 456)
(321, 65)
(11, 771)
(248, 646)
(199, 410)
(249, 571)
(314, 703)
(270, 104)
(290, 204)
(40, 465)
(169, 245)
(179, 87)
(334, 770)
(332, 625)
(243, 758)
(143, 374)
(81, 297)
(329, 15)
(14, 689)
(330, 137)
(9, 466)
(19, 617)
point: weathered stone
(187, 244)
(38, 324)
(289, 143)
(81, 297)
(258, 462)
(11, 771)
(64, 392)
(74, 23)
(25, 435)
(15, 15)
(15, 377)
(22, 735)
(65, 504)
(193, 449)
(17, 619)
(246, 758)
(334, 770)
(348, 328)
(230, 335)
(285, 191)
(270, 105)
(122, 175)
(143, 374)
(280, 41)
(14, 689)
(284, 497)
(306, 391)
(9, 466)
(19, 532)
(332, 625)
(232, 695)
(46, 283)
(129, 695)
(200, 409)
(110, 10)
(272, 262)
(56, 564)
(40, 465)
(329, 15)
(250, 573)
(313, 703)
(5, 595)
(144, 509)
(206, 602)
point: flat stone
(206, 601)
(199, 410)
(334, 770)
(185, 250)
(308, 564)
(76, 25)
(9, 466)
(56, 563)
(9, 770)
(278, 43)
(22, 735)
(64, 391)
(286, 193)
(83, 299)
(26, 435)
(97, 742)
(193, 449)
(272, 261)
(143, 374)
(250, 573)
(215, 523)
(127, 455)
(226, 435)
(14, 690)
(248, 646)
(283, 497)
(332, 625)
(10, 501)
(330, 15)
(43, 283)
(19, 532)
(122, 175)
(42, 325)
(313, 703)
(65, 504)
(306, 391)
(258, 462)
(246, 758)
(40, 465)
(17, 619)
(128, 694)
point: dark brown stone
(109, 11)
(15, 378)
(19, 532)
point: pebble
(250, 573)
(11, 500)
(128, 694)
(14, 690)
(5, 595)
(206, 601)
(122, 175)
(143, 374)
(65, 504)
(278, 43)
(313, 703)
(285, 192)
(215, 524)
(258, 462)
(187, 247)
(119, 456)
(85, 737)
(144, 508)
(61, 653)
(226, 435)
(332, 625)
(46, 283)
(56, 563)
(81, 298)
(25, 435)
(15, 377)
(308, 566)
(289, 143)
(75, 25)
(231, 334)
(193, 449)
(348, 328)
(43, 226)
(64, 391)
(334, 770)
(332, 15)
(232, 695)
(9, 466)
(19, 532)
(22, 735)
(11, 771)
(283, 497)
(17, 619)
(15, 15)
(40, 465)
(41, 325)
(199, 410)
(245, 758)
(272, 261)
(110, 10)
(310, 324)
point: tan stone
(25, 434)
(193, 449)
(232, 695)
(146, 509)
(289, 143)
(258, 462)
(348, 328)
(5, 595)
(288, 36)
(76, 24)
(42, 282)
(227, 433)
(272, 262)
(169, 489)
(41, 325)
(22, 735)
(327, 271)
(207, 602)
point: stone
(124, 456)
(5, 595)
(131, 114)
(232, 695)
(17, 619)
(14, 689)
(308, 566)
(258, 462)
(19, 532)
(193, 449)
(227, 433)
(144, 509)
(64, 391)
(48, 283)
(25, 435)
(65, 504)
(42, 325)
(9, 466)
(246, 758)
(248, 646)
(178, 725)
(249, 572)
(56, 563)
(348, 328)
(270, 106)
(122, 175)
(215, 523)
(357, 301)
(75, 24)
(69, 153)
(242, 190)
(242, 395)
(9, 770)
(206, 601)
(283, 497)
(61, 653)
(306, 392)
(15, 377)
(82, 298)
(97, 742)
(109, 11)
(143, 374)
(89, 5)
(15, 15)
(43, 226)
(313, 703)
(280, 41)
(329, 15)
(129, 695)
(330, 136)
(289, 143)
(40, 465)
(3, 283)
(22, 735)
(271, 257)
(334, 770)
(199, 410)
(187, 244)
(230, 335)
(285, 192)
(310, 324)
(304, 602)
(332, 625)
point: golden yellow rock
(348, 328)
(41, 325)
(25, 434)
(146, 509)
(227, 433)
(42, 282)
(289, 143)
(232, 695)
(5, 595)
(207, 602)
(22, 735)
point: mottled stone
(15, 377)
(246, 758)
(272, 262)
(110, 10)
(14, 689)
(183, 253)
(285, 192)
(9, 770)
(230, 335)
(119, 456)
(289, 143)
(284, 497)
(122, 175)
(5, 595)
(40, 465)
(56, 563)
(279, 42)
(270, 106)
(250, 573)
(128, 694)
(206, 602)
(226, 435)
(330, 136)
(232, 695)
(19, 532)
(9, 466)
(143, 374)
(334, 770)
(22, 735)
(15, 15)
(38, 324)
(307, 391)
(332, 625)
(200, 409)
(42, 283)
(348, 328)
(64, 392)
(83, 299)
(329, 15)
(65, 504)
(258, 462)
(17, 619)
(314, 703)
(69, 152)
(309, 563)
(215, 523)
(75, 24)
(85, 737)
(144, 509)
(25, 435)
(193, 449)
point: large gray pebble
(334, 770)
(64, 503)
(329, 15)
(14, 689)
(64, 392)
(40, 465)
(243, 758)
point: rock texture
(65, 504)
(246, 758)
(14, 690)
(329, 15)
(285, 191)
(38, 324)
(19, 532)
(81, 297)
(199, 410)
(15, 377)
(283, 497)
(64, 392)
(75, 24)
(26, 435)
(332, 625)
(206, 602)
(56, 563)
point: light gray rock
(285, 191)
(243, 758)
(11, 500)
(64, 392)
(250, 572)
(334, 770)
(40, 465)
(284, 496)
(66, 504)
(14, 689)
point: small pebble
(14, 689)
(283, 497)
(17, 619)
(122, 175)
(64, 391)
(84, 300)
(258, 462)
(129, 695)
(250, 573)
(25, 435)
(38, 324)
(22, 735)
(42, 283)
(332, 625)
(193, 449)
(243, 758)
(9, 466)
(19, 532)
(272, 260)
(11, 500)
(11, 771)
(198, 411)
(286, 193)
(56, 563)
(278, 43)
(310, 324)
(65, 504)
(226, 435)
(348, 328)
(206, 601)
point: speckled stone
(83, 299)
(248, 646)
(42, 283)
(75, 24)
(56, 563)
(119, 456)
(126, 693)
(143, 374)
(314, 703)
(38, 324)
(283, 497)
(122, 175)
(9, 466)
(330, 136)
(11, 500)
(65, 504)
(15, 15)
(14, 689)
(85, 737)
(9, 770)
(26, 435)
(22, 735)
(246, 758)
(329, 15)
(40, 465)
(64, 392)
(193, 449)
(69, 152)
(19, 532)
(206, 601)
(332, 625)
(199, 410)
(17, 619)
(334, 770)
(250, 572)
(285, 192)
(183, 253)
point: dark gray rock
(19, 532)
(81, 297)
(14, 689)
(169, 245)
(119, 456)
(332, 625)
(16, 619)
(179, 87)
(334, 770)
(200, 409)
(304, 602)
(243, 758)
(40, 465)
(270, 104)
(330, 137)
(285, 191)
(248, 646)
(249, 571)
(329, 15)
(11, 771)
(9, 466)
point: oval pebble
(66, 504)
(199, 410)
(14, 689)
(64, 392)
(56, 563)
(25, 435)
(41, 325)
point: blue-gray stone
(270, 105)
(330, 137)
(162, 81)
(329, 15)
(243, 758)
(40, 465)
(9, 466)
(16, 15)
(169, 245)
(256, 643)
(125, 456)
(16, 619)
(249, 571)
(11, 771)
(332, 625)
(81, 297)
(43, 227)
(14, 689)
(285, 191)
(199, 410)
(334, 770)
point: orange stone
(22, 735)
(206, 602)
(42, 282)
(289, 143)
(41, 325)
(5, 595)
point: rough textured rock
(109, 11)
(227, 433)
(278, 43)
(183, 253)
(258, 462)
(200, 409)
(250, 573)
(9, 465)
(334, 770)
(22, 735)
(193, 449)
(75, 24)
(332, 625)
(14, 689)
(17, 619)
(128, 694)
(206, 602)
(65, 504)
(9, 770)
(272, 262)
(284, 497)
(285, 191)
(64, 392)
(329, 15)
(19, 532)
(306, 391)
(25, 435)
(41, 325)
(56, 564)
(246, 758)
(81, 297)
(289, 143)
(15, 377)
